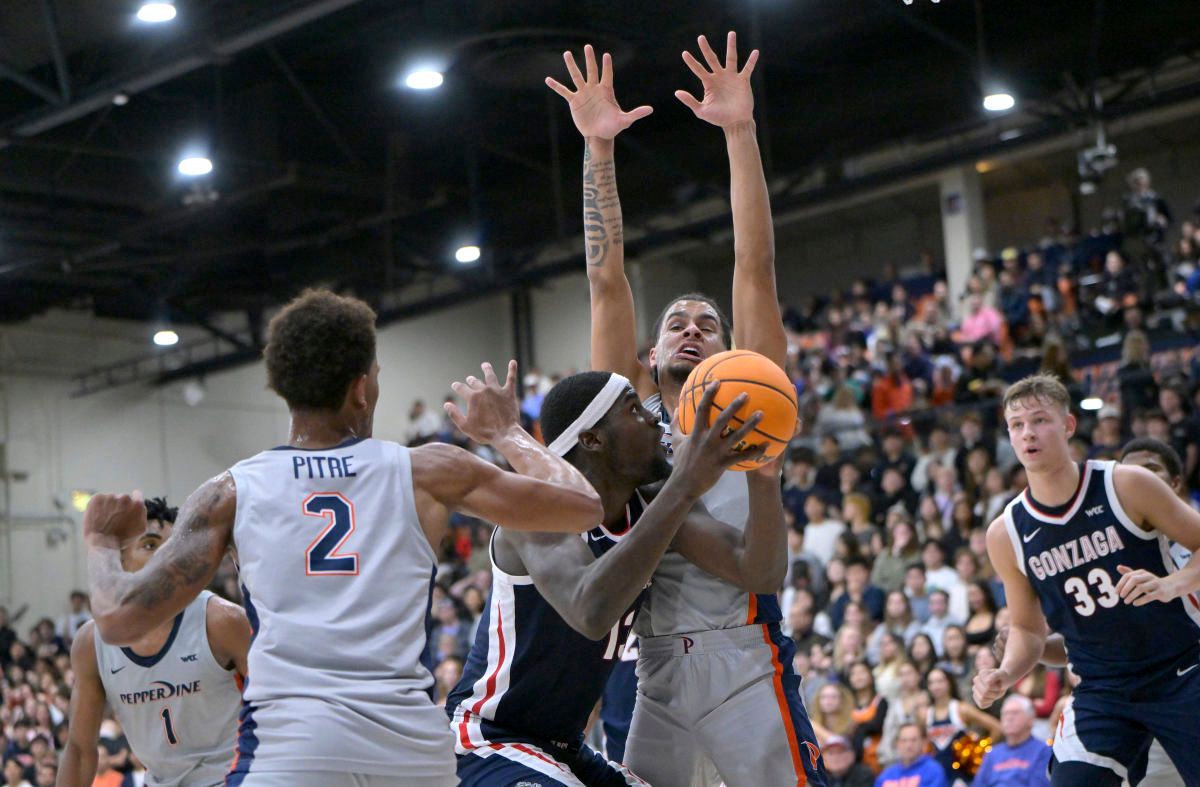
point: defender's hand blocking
(594, 105)
(119, 517)
(709, 451)
(728, 99)
(491, 408)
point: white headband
(609, 394)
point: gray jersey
(337, 576)
(684, 598)
(179, 707)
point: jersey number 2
(322, 558)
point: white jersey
(179, 707)
(337, 576)
(684, 598)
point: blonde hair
(1042, 387)
(860, 502)
(1135, 348)
(841, 722)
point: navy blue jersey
(1070, 556)
(529, 675)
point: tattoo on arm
(602, 226)
(184, 561)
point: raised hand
(491, 408)
(728, 99)
(120, 517)
(593, 104)
(709, 451)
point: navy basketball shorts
(1106, 731)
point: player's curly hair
(317, 346)
(157, 508)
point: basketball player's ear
(1071, 424)
(358, 392)
(591, 440)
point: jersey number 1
(322, 558)
(168, 728)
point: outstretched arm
(127, 606)
(78, 766)
(754, 559)
(545, 493)
(598, 117)
(728, 102)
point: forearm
(529, 457)
(603, 228)
(1187, 579)
(756, 320)
(78, 767)
(762, 561)
(111, 592)
(610, 586)
(1021, 654)
(753, 234)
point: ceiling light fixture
(166, 338)
(156, 12)
(999, 101)
(466, 254)
(423, 79)
(195, 166)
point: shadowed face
(633, 441)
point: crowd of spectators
(900, 463)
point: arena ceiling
(328, 171)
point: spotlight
(999, 101)
(1092, 403)
(467, 254)
(166, 338)
(195, 166)
(156, 12)
(423, 79)
(121, 99)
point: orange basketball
(769, 389)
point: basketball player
(700, 635)
(1160, 459)
(1083, 552)
(561, 607)
(335, 536)
(175, 691)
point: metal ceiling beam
(32, 85)
(56, 51)
(314, 108)
(174, 64)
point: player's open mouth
(690, 352)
